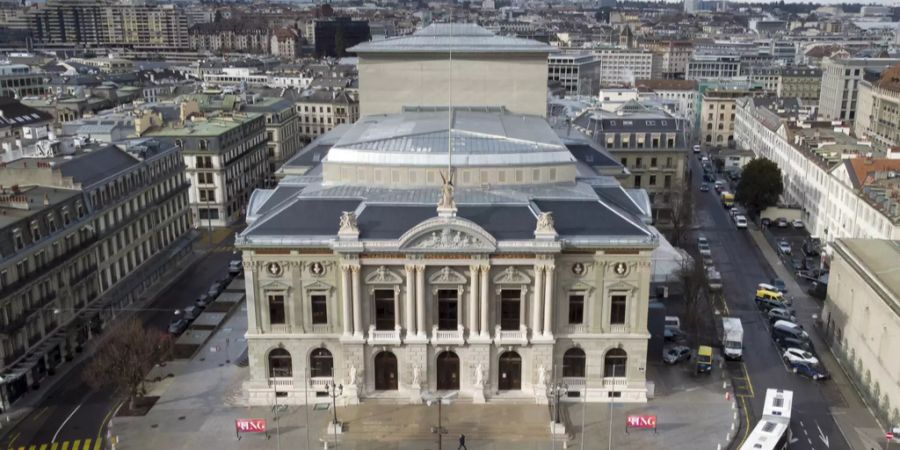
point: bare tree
(695, 285)
(682, 214)
(129, 354)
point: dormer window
(51, 223)
(17, 237)
(66, 218)
(203, 144)
(35, 232)
(79, 208)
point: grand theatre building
(375, 266)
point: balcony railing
(281, 382)
(574, 383)
(47, 267)
(384, 337)
(319, 383)
(577, 329)
(615, 382)
(617, 328)
(511, 337)
(280, 328)
(447, 337)
(321, 328)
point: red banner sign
(250, 425)
(640, 421)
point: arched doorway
(321, 364)
(280, 364)
(510, 376)
(614, 363)
(385, 372)
(573, 363)
(447, 371)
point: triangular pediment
(275, 285)
(511, 275)
(318, 285)
(447, 276)
(621, 286)
(447, 234)
(383, 275)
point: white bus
(773, 431)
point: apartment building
(623, 67)
(674, 59)
(679, 97)
(861, 317)
(333, 37)
(840, 84)
(225, 157)
(878, 118)
(18, 80)
(804, 83)
(321, 111)
(85, 230)
(578, 74)
(651, 143)
(285, 43)
(843, 186)
(713, 67)
(717, 113)
(283, 134)
(236, 35)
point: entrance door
(447, 372)
(385, 372)
(510, 372)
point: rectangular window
(637, 181)
(448, 309)
(652, 180)
(384, 309)
(617, 310)
(319, 306)
(510, 308)
(576, 309)
(276, 310)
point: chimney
(46, 200)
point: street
(742, 266)
(73, 416)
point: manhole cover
(154, 426)
(181, 418)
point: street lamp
(430, 398)
(334, 391)
(557, 390)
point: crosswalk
(77, 444)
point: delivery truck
(732, 338)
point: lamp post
(612, 400)
(334, 391)
(430, 398)
(557, 390)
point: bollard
(724, 385)
(727, 395)
(718, 446)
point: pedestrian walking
(462, 443)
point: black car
(784, 343)
(766, 304)
(815, 372)
(177, 326)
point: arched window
(573, 363)
(321, 364)
(280, 363)
(719, 138)
(615, 362)
(708, 138)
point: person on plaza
(462, 443)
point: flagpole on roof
(450, 103)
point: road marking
(746, 421)
(75, 444)
(749, 381)
(822, 436)
(65, 445)
(87, 444)
(13, 439)
(43, 446)
(97, 443)
(53, 447)
(40, 413)
(112, 411)
(55, 435)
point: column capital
(347, 267)
(355, 268)
(485, 268)
(420, 267)
(474, 268)
(410, 267)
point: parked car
(696, 149)
(215, 289)
(177, 326)
(704, 187)
(811, 247)
(192, 312)
(794, 355)
(781, 222)
(767, 304)
(796, 264)
(776, 314)
(784, 247)
(798, 224)
(813, 371)
(671, 334)
(765, 221)
(783, 328)
(785, 343)
(235, 267)
(676, 354)
(708, 178)
(203, 301)
(740, 222)
(779, 285)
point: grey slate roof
(97, 165)
(306, 217)
(462, 37)
(585, 218)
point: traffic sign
(889, 435)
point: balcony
(574, 383)
(447, 337)
(319, 383)
(321, 328)
(281, 383)
(384, 337)
(615, 382)
(48, 267)
(577, 328)
(511, 337)
(279, 328)
(618, 328)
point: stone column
(548, 301)
(252, 305)
(357, 303)
(345, 300)
(410, 299)
(420, 300)
(485, 301)
(473, 299)
(538, 303)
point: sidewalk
(32, 399)
(200, 401)
(850, 413)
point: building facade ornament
(348, 225)
(545, 228)
(446, 206)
